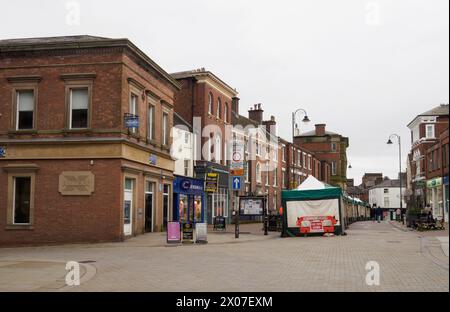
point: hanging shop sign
(212, 182)
(434, 183)
(173, 233)
(131, 121)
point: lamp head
(306, 119)
(389, 142)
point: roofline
(92, 43)
(194, 74)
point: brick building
(425, 173)
(330, 147)
(206, 100)
(71, 171)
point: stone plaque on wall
(76, 183)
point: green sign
(434, 183)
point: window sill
(27, 131)
(19, 227)
(84, 130)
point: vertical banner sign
(237, 160)
(173, 233)
(212, 182)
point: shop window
(183, 208)
(25, 106)
(79, 108)
(198, 208)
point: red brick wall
(68, 219)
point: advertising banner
(201, 233)
(173, 233)
(251, 206)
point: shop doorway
(128, 207)
(166, 205)
(149, 204)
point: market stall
(315, 207)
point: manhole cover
(87, 261)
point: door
(128, 208)
(149, 190)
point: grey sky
(365, 68)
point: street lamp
(294, 124)
(350, 166)
(389, 142)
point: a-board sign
(219, 223)
(212, 182)
(188, 233)
(251, 206)
(201, 233)
(173, 233)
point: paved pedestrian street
(408, 261)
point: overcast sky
(365, 68)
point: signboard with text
(212, 182)
(237, 160)
(251, 206)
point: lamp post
(399, 162)
(294, 124)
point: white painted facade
(183, 152)
(385, 197)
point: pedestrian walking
(399, 215)
(379, 213)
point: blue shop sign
(446, 180)
(185, 185)
(153, 159)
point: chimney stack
(320, 129)
(271, 125)
(235, 106)
(256, 114)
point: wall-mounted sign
(434, 183)
(76, 183)
(131, 121)
(173, 233)
(152, 159)
(2, 152)
(212, 182)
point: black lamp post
(399, 162)
(294, 124)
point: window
(151, 122)
(386, 202)
(165, 129)
(430, 131)
(210, 104)
(258, 173)
(219, 108)
(275, 154)
(299, 158)
(21, 200)
(333, 146)
(25, 109)
(247, 172)
(266, 175)
(258, 148)
(284, 178)
(386, 191)
(225, 117)
(218, 148)
(275, 177)
(220, 203)
(187, 167)
(304, 160)
(79, 103)
(309, 163)
(283, 153)
(186, 138)
(333, 168)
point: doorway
(128, 207)
(149, 204)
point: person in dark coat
(379, 214)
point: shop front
(435, 197)
(189, 200)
